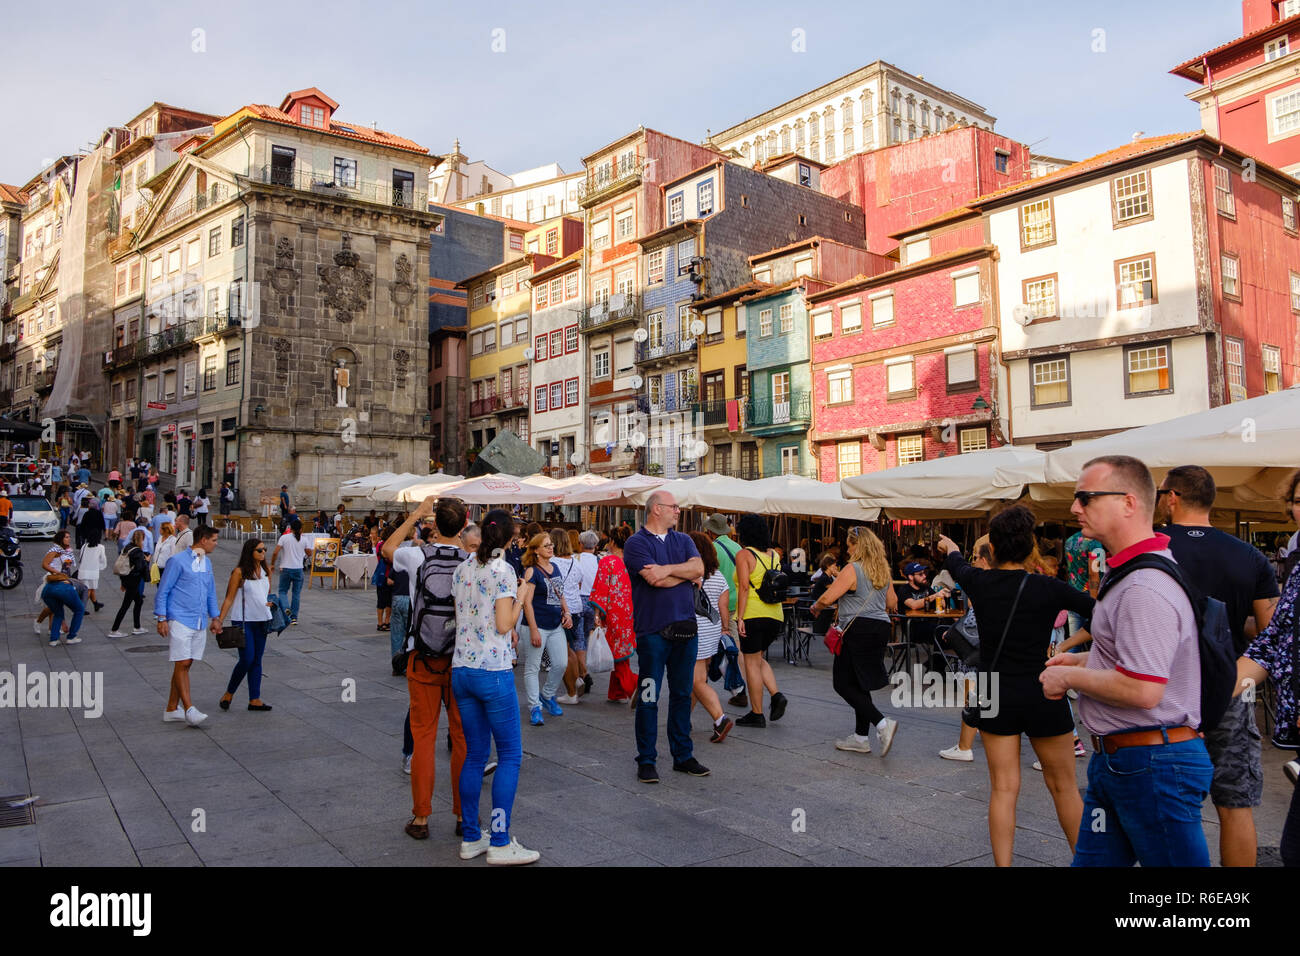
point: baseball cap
(913, 568)
(717, 524)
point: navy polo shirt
(653, 609)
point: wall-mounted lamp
(979, 405)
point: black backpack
(432, 630)
(775, 584)
(1213, 635)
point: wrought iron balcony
(517, 398)
(43, 380)
(713, 412)
(168, 339)
(485, 406)
(670, 345)
(323, 183)
(217, 193)
(605, 180)
(617, 310)
(765, 413)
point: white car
(33, 517)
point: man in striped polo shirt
(1139, 688)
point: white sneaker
(194, 717)
(470, 850)
(116, 634)
(406, 763)
(566, 699)
(956, 753)
(40, 626)
(1038, 765)
(885, 731)
(170, 715)
(854, 743)
(72, 640)
(513, 853)
(138, 630)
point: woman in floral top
(612, 596)
(487, 612)
(1276, 653)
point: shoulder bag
(232, 636)
(704, 607)
(970, 715)
(834, 638)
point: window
(557, 344)
(552, 241)
(570, 392)
(557, 291)
(135, 275)
(539, 398)
(960, 364)
(765, 322)
(900, 377)
(1295, 292)
(655, 267)
(237, 232)
(1272, 369)
(972, 439)
(780, 395)
(571, 286)
(600, 364)
(1050, 383)
(345, 172)
(1136, 281)
(570, 339)
(713, 323)
(821, 321)
(214, 302)
(193, 253)
(623, 223)
(130, 389)
(507, 335)
(803, 267)
(685, 253)
(1040, 297)
(557, 395)
(1288, 214)
(966, 288)
(521, 329)
(516, 242)
(850, 318)
(507, 284)
(476, 343)
(190, 382)
(1001, 161)
(882, 310)
(1235, 365)
(655, 330)
(1275, 49)
(839, 386)
(490, 339)
(119, 288)
(916, 250)
(848, 456)
(623, 282)
(173, 260)
(1147, 370)
(1036, 227)
(600, 233)
(214, 242)
(787, 318)
(790, 460)
(235, 300)
(704, 198)
(676, 205)
(477, 296)
(437, 355)
(313, 116)
(1131, 198)
(232, 366)
(541, 297)
(1288, 8)
(910, 448)
(763, 275)
(1223, 199)
(1228, 276)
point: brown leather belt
(1142, 738)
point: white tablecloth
(356, 567)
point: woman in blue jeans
(487, 612)
(547, 618)
(59, 594)
(248, 596)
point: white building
(875, 106)
(558, 378)
(533, 195)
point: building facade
(558, 399)
(499, 333)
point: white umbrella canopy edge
(997, 473)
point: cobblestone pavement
(318, 780)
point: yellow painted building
(724, 385)
(500, 306)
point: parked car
(33, 517)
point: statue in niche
(342, 379)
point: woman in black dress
(1017, 705)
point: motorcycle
(11, 561)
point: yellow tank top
(753, 606)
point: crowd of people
(1111, 627)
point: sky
(523, 84)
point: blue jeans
(250, 660)
(489, 709)
(398, 623)
(553, 641)
(57, 597)
(291, 577)
(1144, 804)
(654, 654)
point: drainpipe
(243, 351)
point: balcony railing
(616, 310)
(518, 398)
(170, 338)
(43, 380)
(323, 183)
(679, 403)
(484, 406)
(713, 412)
(605, 180)
(763, 412)
(217, 193)
(667, 346)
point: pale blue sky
(574, 76)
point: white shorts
(186, 644)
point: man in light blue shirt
(167, 515)
(186, 608)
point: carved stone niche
(284, 277)
(401, 362)
(282, 348)
(402, 290)
(345, 286)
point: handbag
(704, 607)
(834, 639)
(232, 637)
(970, 714)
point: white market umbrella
(360, 487)
(492, 490)
(400, 488)
(950, 486)
(799, 495)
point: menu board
(323, 555)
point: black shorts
(385, 595)
(1019, 707)
(759, 633)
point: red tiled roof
(303, 94)
(952, 215)
(347, 130)
(751, 286)
(1193, 69)
(12, 194)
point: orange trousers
(430, 689)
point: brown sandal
(417, 831)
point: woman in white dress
(91, 561)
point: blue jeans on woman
(398, 623)
(291, 577)
(489, 708)
(57, 597)
(250, 659)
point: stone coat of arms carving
(402, 289)
(401, 359)
(345, 286)
(284, 277)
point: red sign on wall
(161, 406)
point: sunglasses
(1164, 491)
(1085, 497)
(259, 550)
